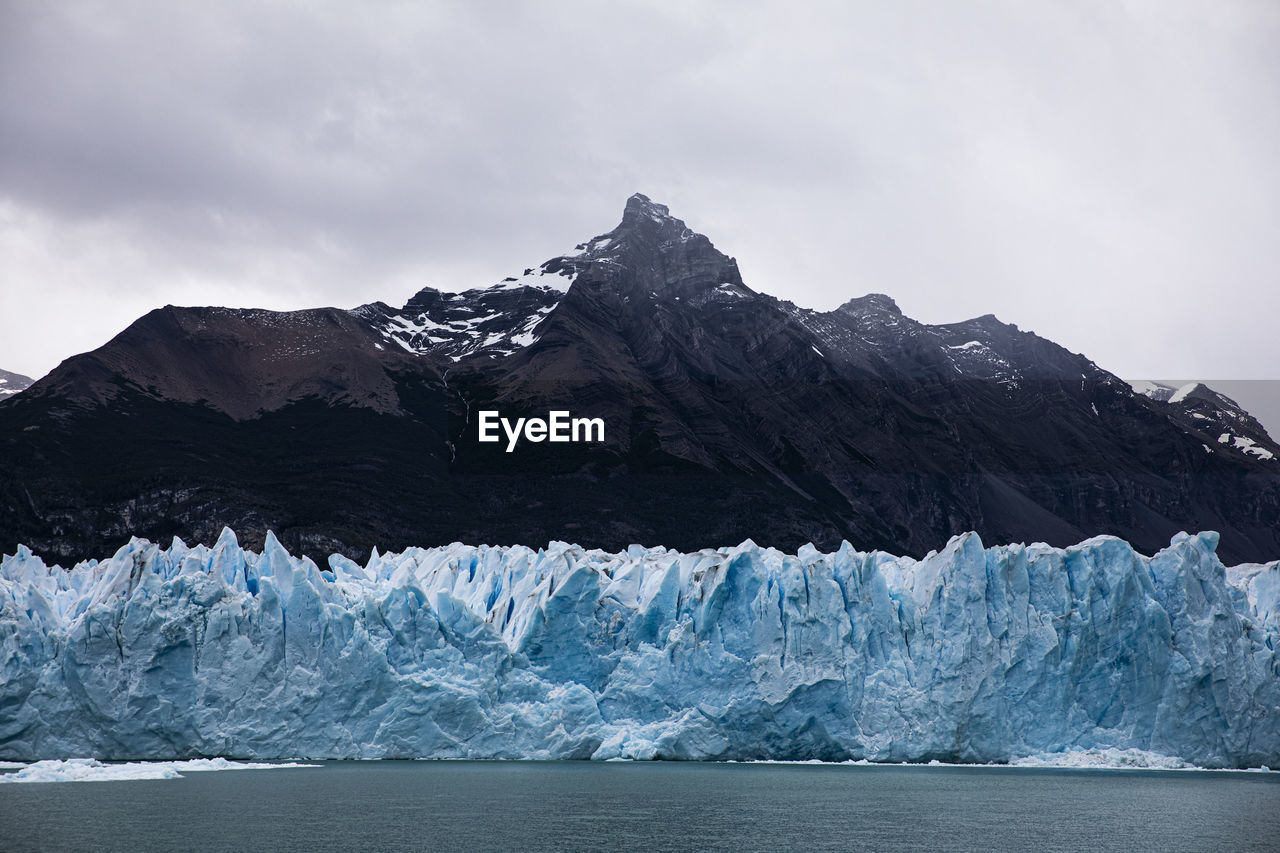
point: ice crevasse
(970, 654)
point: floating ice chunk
(89, 770)
(1115, 759)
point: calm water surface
(416, 805)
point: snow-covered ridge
(495, 320)
(971, 654)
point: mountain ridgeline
(729, 415)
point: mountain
(12, 383)
(1200, 408)
(729, 414)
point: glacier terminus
(972, 654)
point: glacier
(971, 654)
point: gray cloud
(1100, 172)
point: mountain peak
(643, 215)
(871, 302)
(641, 206)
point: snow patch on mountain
(1152, 390)
(1246, 445)
(12, 383)
(497, 320)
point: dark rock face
(729, 414)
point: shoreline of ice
(91, 770)
(1111, 759)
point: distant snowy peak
(1157, 391)
(1185, 391)
(1198, 407)
(12, 383)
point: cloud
(1099, 172)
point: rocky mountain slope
(729, 414)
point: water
(394, 805)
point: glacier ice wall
(971, 654)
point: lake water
(418, 805)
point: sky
(1102, 173)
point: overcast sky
(1103, 173)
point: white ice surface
(970, 654)
(1181, 393)
(90, 770)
